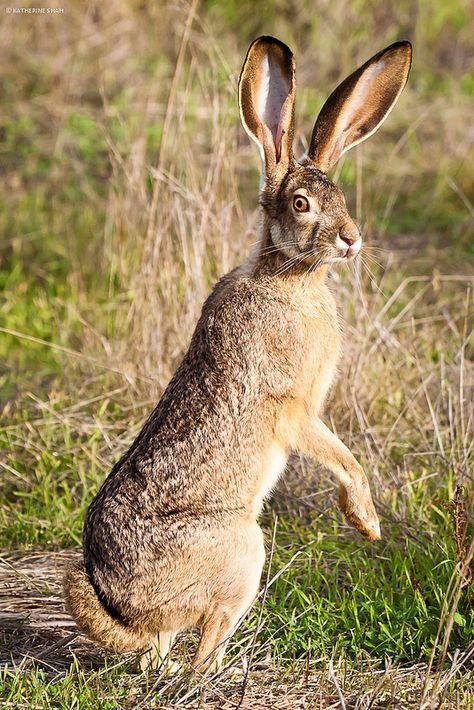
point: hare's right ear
(266, 99)
(359, 105)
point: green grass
(340, 597)
(348, 597)
(99, 295)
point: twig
(334, 681)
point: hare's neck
(269, 260)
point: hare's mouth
(347, 249)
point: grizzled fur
(171, 540)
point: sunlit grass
(101, 285)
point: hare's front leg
(355, 499)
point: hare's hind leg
(235, 590)
(166, 639)
(215, 635)
(157, 654)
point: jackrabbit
(171, 540)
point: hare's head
(305, 211)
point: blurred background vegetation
(87, 97)
(130, 187)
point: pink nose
(348, 240)
(349, 233)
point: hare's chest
(274, 464)
(321, 379)
(323, 351)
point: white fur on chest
(275, 462)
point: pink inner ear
(272, 93)
(277, 138)
(277, 135)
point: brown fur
(354, 123)
(171, 539)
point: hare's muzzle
(348, 240)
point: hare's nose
(349, 234)
(348, 240)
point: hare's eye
(300, 204)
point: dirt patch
(34, 624)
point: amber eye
(300, 204)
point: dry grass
(130, 188)
(110, 120)
(37, 633)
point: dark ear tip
(272, 41)
(407, 46)
(401, 48)
(402, 44)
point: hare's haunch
(171, 540)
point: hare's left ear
(266, 99)
(359, 105)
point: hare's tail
(92, 618)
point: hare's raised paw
(357, 505)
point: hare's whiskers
(371, 276)
(371, 260)
(365, 258)
(287, 265)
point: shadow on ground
(34, 624)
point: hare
(171, 540)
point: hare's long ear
(266, 99)
(359, 105)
